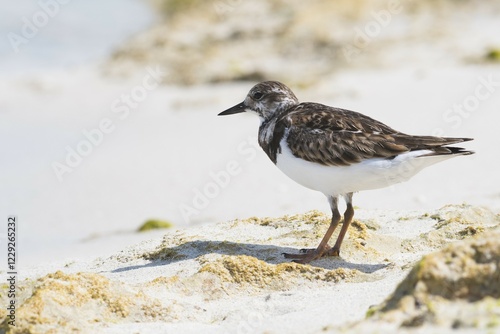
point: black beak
(234, 110)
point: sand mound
(452, 222)
(246, 270)
(456, 287)
(81, 301)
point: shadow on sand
(268, 253)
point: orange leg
(307, 256)
(348, 214)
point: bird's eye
(257, 95)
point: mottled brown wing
(340, 147)
(319, 116)
(338, 137)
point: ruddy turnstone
(336, 151)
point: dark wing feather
(338, 137)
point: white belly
(369, 174)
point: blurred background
(108, 109)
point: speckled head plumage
(266, 99)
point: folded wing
(338, 137)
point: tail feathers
(444, 150)
(437, 145)
(422, 142)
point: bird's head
(266, 99)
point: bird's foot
(304, 257)
(333, 251)
(307, 255)
(312, 250)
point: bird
(337, 152)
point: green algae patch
(154, 224)
(171, 8)
(493, 55)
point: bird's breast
(271, 134)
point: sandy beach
(93, 151)
(231, 278)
